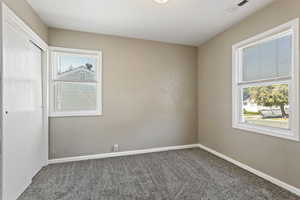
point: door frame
(8, 16)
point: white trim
(1, 101)
(15, 21)
(256, 82)
(86, 53)
(277, 132)
(123, 153)
(292, 27)
(295, 86)
(76, 114)
(258, 37)
(9, 17)
(265, 176)
(74, 51)
(12, 19)
(273, 34)
(170, 148)
(45, 83)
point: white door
(23, 139)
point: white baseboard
(152, 150)
(254, 171)
(123, 153)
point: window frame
(292, 27)
(58, 51)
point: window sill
(275, 132)
(75, 114)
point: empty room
(149, 100)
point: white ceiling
(190, 22)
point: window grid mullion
(271, 80)
(289, 79)
(75, 81)
(93, 82)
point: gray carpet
(191, 174)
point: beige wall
(28, 15)
(277, 157)
(149, 97)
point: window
(266, 82)
(75, 82)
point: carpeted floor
(191, 174)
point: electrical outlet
(115, 148)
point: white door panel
(23, 139)
(37, 136)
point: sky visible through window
(68, 62)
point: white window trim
(98, 55)
(293, 132)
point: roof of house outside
(82, 73)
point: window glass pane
(284, 56)
(266, 106)
(269, 59)
(251, 64)
(76, 68)
(75, 96)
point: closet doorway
(24, 120)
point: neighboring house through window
(75, 85)
(266, 82)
